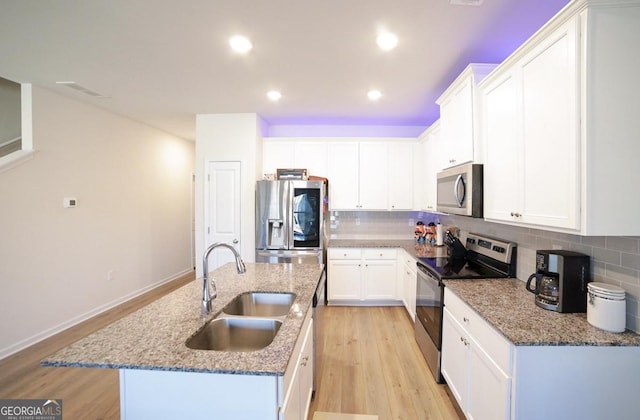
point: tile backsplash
(614, 259)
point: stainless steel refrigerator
(290, 221)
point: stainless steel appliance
(460, 190)
(561, 280)
(289, 221)
(485, 257)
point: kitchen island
(505, 358)
(160, 377)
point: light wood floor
(92, 394)
(371, 366)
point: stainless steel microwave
(460, 190)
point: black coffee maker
(561, 280)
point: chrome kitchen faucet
(209, 291)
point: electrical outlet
(357, 221)
(411, 222)
(110, 275)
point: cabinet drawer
(292, 367)
(345, 253)
(379, 253)
(498, 348)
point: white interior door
(222, 211)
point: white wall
(229, 137)
(133, 186)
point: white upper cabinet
(363, 173)
(531, 166)
(559, 125)
(276, 154)
(310, 154)
(374, 175)
(549, 127)
(426, 164)
(343, 172)
(458, 115)
(400, 180)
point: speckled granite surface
(417, 249)
(154, 336)
(510, 308)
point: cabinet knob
(465, 319)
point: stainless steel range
(484, 257)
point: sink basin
(260, 304)
(235, 334)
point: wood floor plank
(395, 384)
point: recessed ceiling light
(374, 94)
(240, 44)
(387, 41)
(274, 95)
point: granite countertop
(154, 336)
(510, 308)
(416, 249)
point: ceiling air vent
(82, 89)
(466, 2)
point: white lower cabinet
(476, 362)
(298, 379)
(362, 275)
(407, 278)
(493, 379)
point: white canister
(606, 306)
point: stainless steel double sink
(249, 322)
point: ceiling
(162, 62)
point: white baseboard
(23, 344)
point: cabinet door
(489, 388)
(455, 358)
(344, 175)
(277, 154)
(373, 175)
(379, 280)
(550, 127)
(311, 155)
(291, 406)
(431, 167)
(306, 373)
(409, 286)
(502, 169)
(343, 280)
(456, 115)
(400, 180)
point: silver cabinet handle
(235, 241)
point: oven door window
(429, 305)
